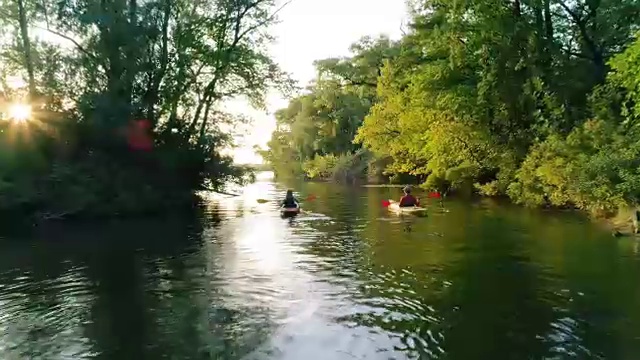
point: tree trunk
(205, 119)
(26, 46)
(131, 48)
(196, 116)
(112, 39)
(537, 10)
(153, 91)
(548, 22)
(517, 12)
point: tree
(171, 62)
(322, 124)
(478, 83)
(533, 99)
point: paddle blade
(262, 201)
(434, 195)
(311, 197)
(386, 203)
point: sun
(20, 112)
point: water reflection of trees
(592, 289)
(123, 290)
(367, 255)
(480, 289)
(484, 283)
(338, 242)
(496, 290)
(499, 283)
(84, 288)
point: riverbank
(618, 224)
(622, 224)
(93, 183)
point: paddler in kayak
(408, 200)
(289, 200)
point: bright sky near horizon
(310, 30)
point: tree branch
(59, 34)
(574, 16)
(73, 41)
(265, 21)
(238, 36)
(596, 52)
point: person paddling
(408, 200)
(289, 200)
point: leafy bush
(595, 168)
(352, 167)
(320, 167)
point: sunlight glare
(15, 82)
(20, 112)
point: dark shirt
(409, 200)
(290, 203)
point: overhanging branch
(74, 42)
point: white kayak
(394, 206)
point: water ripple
(343, 280)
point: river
(344, 280)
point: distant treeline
(259, 167)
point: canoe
(394, 206)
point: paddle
(309, 198)
(434, 195)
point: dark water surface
(345, 280)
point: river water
(344, 280)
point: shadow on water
(115, 290)
(344, 279)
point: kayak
(394, 206)
(290, 211)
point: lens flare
(19, 112)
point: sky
(310, 30)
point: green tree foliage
(536, 100)
(315, 132)
(91, 67)
(492, 95)
(597, 166)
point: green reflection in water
(344, 280)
